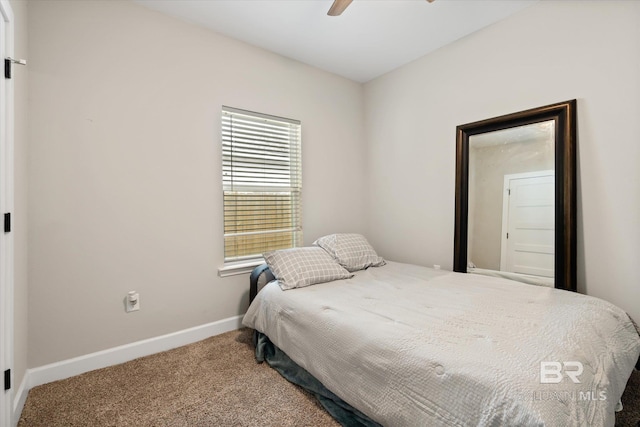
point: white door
(6, 204)
(528, 225)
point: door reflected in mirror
(511, 202)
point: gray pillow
(299, 267)
(352, 251)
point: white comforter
(412, 346)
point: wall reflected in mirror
(511, 203)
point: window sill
(241, 267)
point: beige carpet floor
(215, 382)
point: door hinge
(7, 379)
(7, 222)
(507, 235)
(509, 191)
(8, 62)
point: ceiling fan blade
(338, 7)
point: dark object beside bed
(260, 276)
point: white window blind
(262, 183)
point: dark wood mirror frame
(564, 116)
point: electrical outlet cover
(132, 302)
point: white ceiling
(369, 39)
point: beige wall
(552, 51)
(20, 217)
(125, 168)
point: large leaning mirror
(516, 197)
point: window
(262, 184)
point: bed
(405, 345)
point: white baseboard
(113, 356)
(19, 400)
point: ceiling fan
(339, 6)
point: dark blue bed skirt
(341, 411)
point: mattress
(408, 345)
